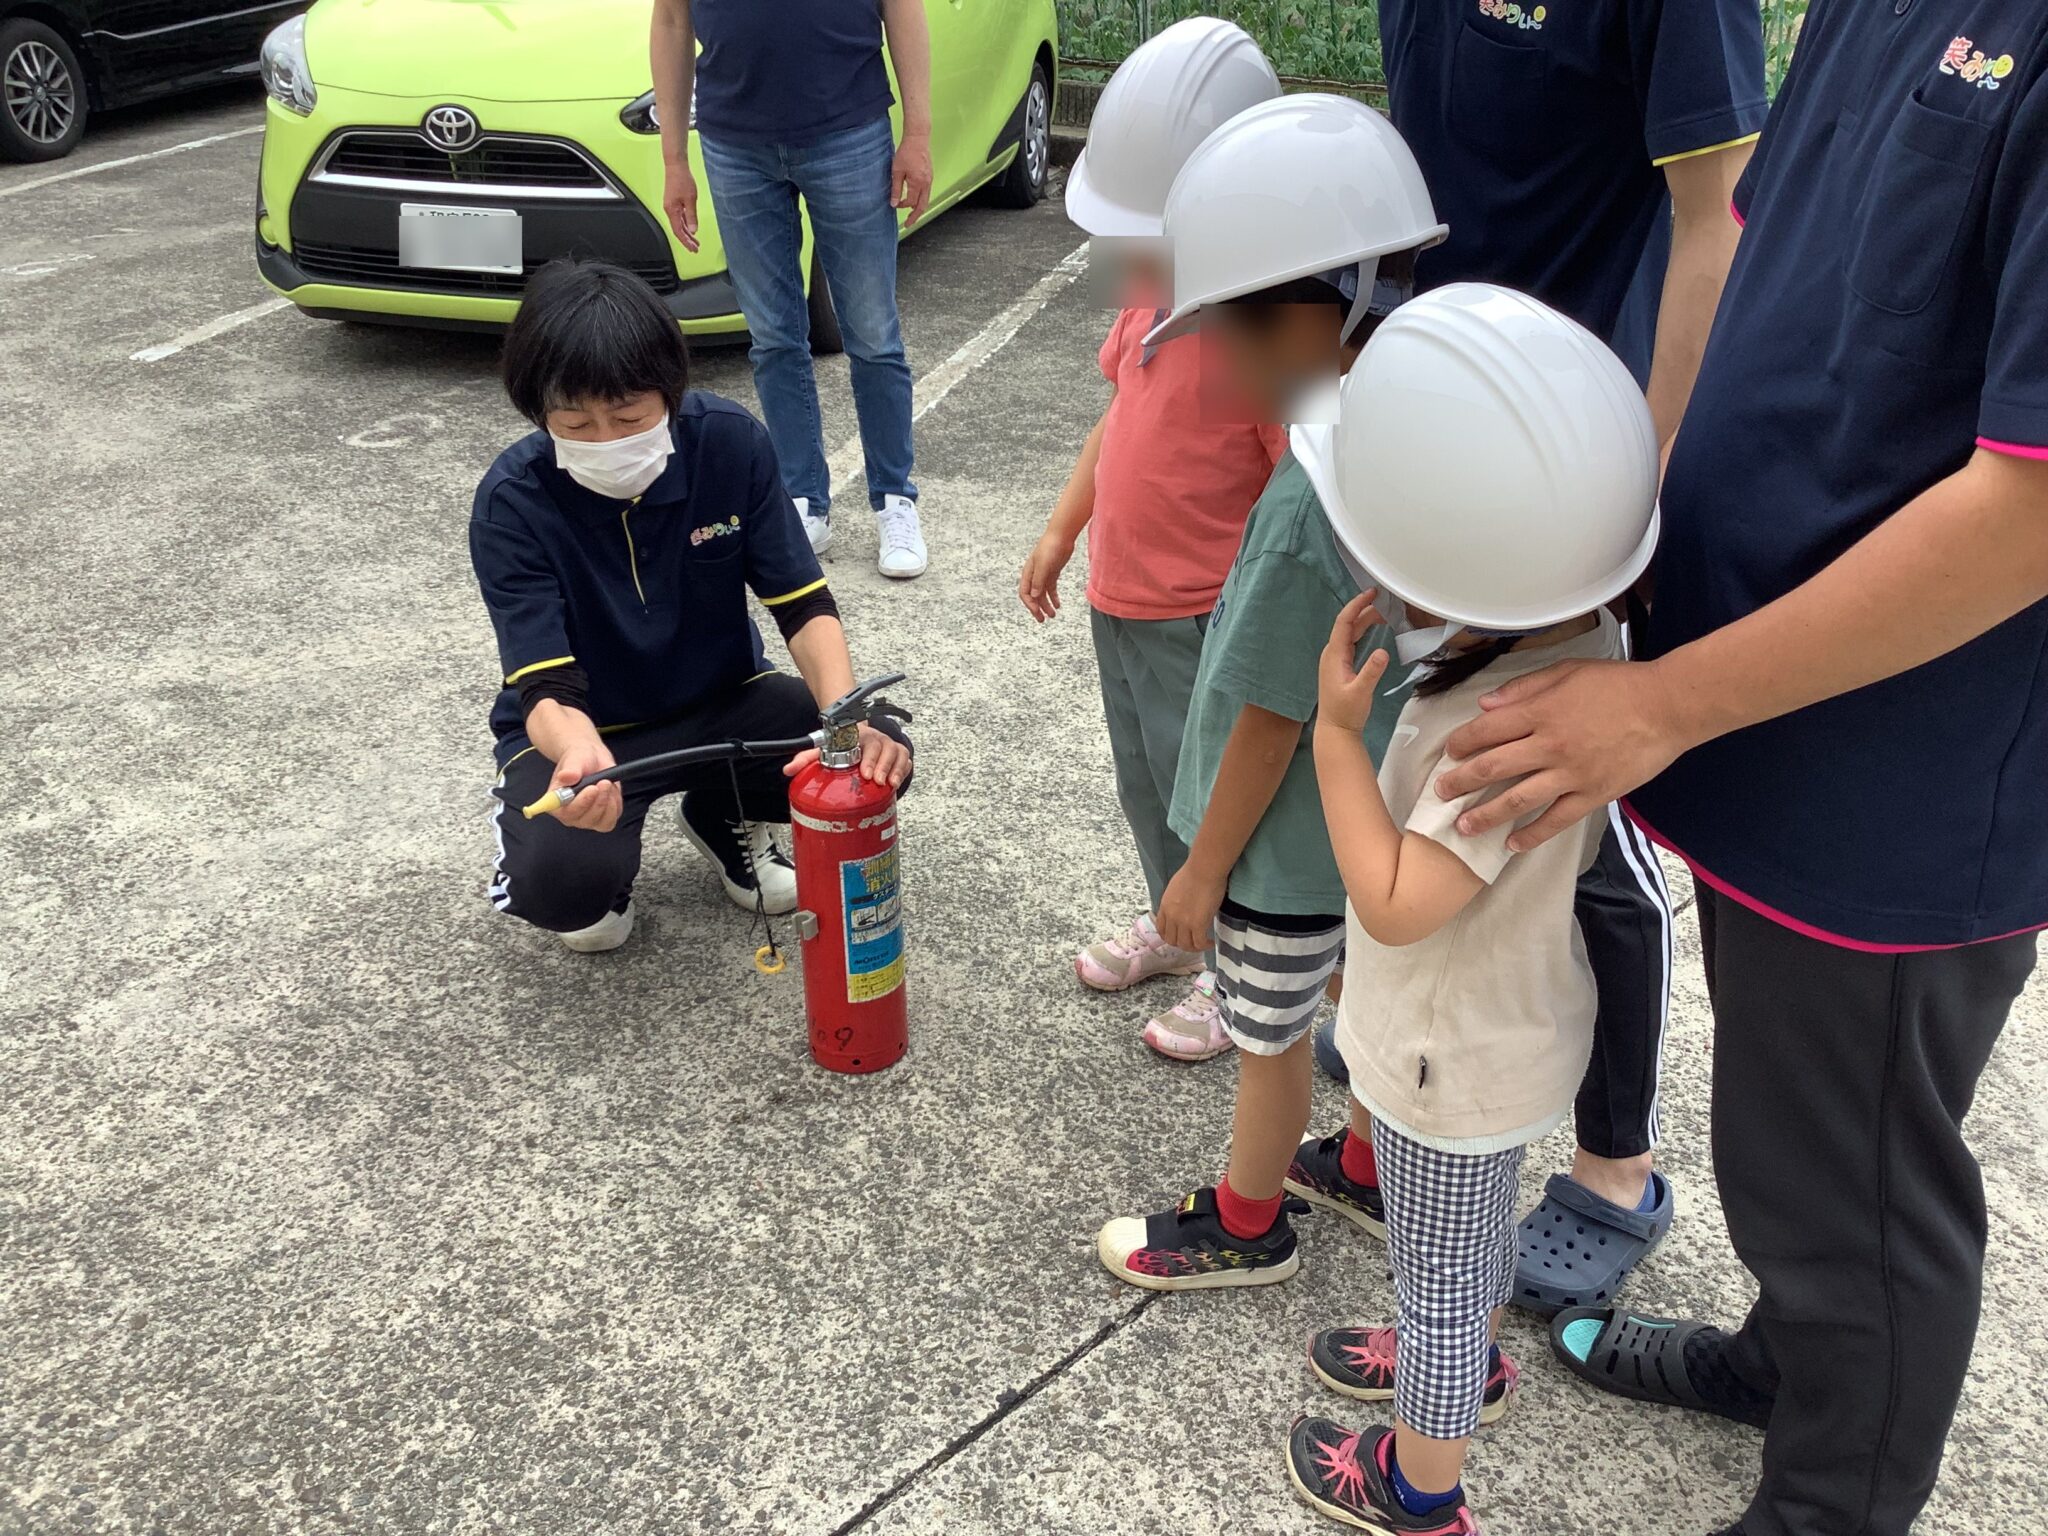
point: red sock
(1360, 1166)
(1245, 1218)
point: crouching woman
(615, 546)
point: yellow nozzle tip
(770, 961)
(545, 805)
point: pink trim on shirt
(2017, 450)
(1735, 213)
(1765, 910)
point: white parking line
(109, 165)
(208, 331)
(978, 349)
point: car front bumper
(705, 306)
(329, 242)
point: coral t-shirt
(1172, 490)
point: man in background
(792, 101)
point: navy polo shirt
(788, 71)
(647, 596)
(1887, 314)
(1541, 130)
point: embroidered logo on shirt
(712, 531)
(1965, 59)
(1529, 19)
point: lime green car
(421, 158)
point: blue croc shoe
(1578, 1247)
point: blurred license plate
(460, 239)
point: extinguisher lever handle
(854, 707)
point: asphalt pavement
(332, 1201)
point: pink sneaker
(1192, 1030)
(1136, 956)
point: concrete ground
(335, 1202)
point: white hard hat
(1492, 462)
(1293, 187)
(1162, 102)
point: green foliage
(1782, 21)
(1321, 39)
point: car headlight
(285, 74)
(642, 116)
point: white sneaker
(608, 932)
(903, 554)
(1192, 1029)
(727, 845)
(1130, 958)
(817, 527)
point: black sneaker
(1359, 1362)
(1187, 1249)
(1317, 1175)
(728, 844)
(1344, 1474)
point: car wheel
(1023, 184)
(42, 93)
(826, 339)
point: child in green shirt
(1264, 200)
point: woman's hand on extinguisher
(1187, 909)
(883, 759)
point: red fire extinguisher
(850, 917)
(850, 908)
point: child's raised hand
(1344, 692)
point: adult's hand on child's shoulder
(1576, 736)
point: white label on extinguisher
(874, 926)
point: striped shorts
(1451, 1239)
(1271, 973)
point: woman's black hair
(591, 331)
(1443, 670)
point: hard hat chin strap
(1411, 645)
(1377, 295)
(1361, 298)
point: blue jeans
(844, 182)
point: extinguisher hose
(711, 752)
(768, 959)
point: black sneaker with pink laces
(1359, 1362)
(1346, 1474)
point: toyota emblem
(451, 128)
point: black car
(62, 60)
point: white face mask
(621, 468)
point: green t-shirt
(1265, 640)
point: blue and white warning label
(874, 927)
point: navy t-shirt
(1541, 130)
(788, 71)
(1887, 314)
(647, 596)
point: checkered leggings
(1451, 1237)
